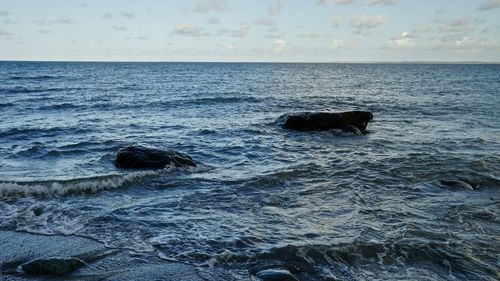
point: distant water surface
(326, 205)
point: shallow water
(326, 205)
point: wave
(12, 190)
(25, 90)
(6, 104)
(29, 131)
(225, 100)
(362, 259)
(208, 100)
(58, 106)
(40, 77)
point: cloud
(9, 22)
(62, 21)
(339, 2)
(119, 28)
(127, 15)
(107, 16)
(382, 2)
(464, 41)
(440, 11)
(461, 25)
(188, 30)
(339, 44)
(213, 20)
(276, 7)
(421, 29)
(232, 47)
(489, 5)
(274, 33)
(204, 6)
(314, 34)
(141, 38)
(279, 45)
(241, 31)
(363, 23)
(43, 31)
(264, 22)
(4, 33)
(4, 13)
(402, 41)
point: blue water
(325, 205)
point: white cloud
(274, 33)
(119, 28)
(363, 23)
(489, 5)
(343, 1)
(107, 16)
(189, 30)
(421, 29)
(461, 25)
(4, 13)
(402, 41)
(279, 45)
(340, 2)
(464, 41)
(241, 31)
(383, 2)
(232, 47)
(314, 34)
(264, 21)
(338, 44)
(276, 7)
(204, 6)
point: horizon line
(264, 62)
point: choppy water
(327, 205)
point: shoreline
(101, 262)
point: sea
(324, 205)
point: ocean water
(324, 205)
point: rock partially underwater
(350, 121)
(459, 184)
(52, 266)
(276, 275)
(139, 157)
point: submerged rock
(52, 266)
(459, 183)
(276, 275)
(350, 121)
(139, 157)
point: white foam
(83, 185)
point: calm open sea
(330, 205)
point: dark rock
(139, 157)
(52, 266)
(351, 121)
(458, 183)
(276, 275)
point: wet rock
(139, 157)
(276, 275)
(52, 266)
(459, 183)
(37, 211)
(350, 121)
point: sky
(250, 30)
